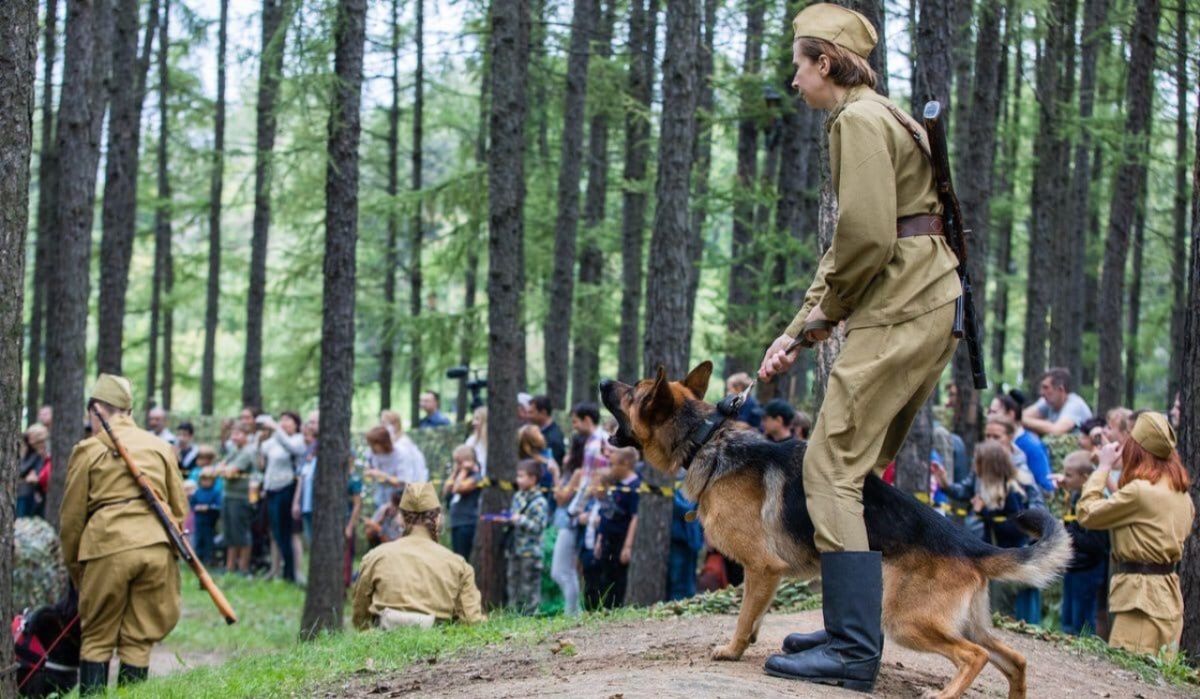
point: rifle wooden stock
(178, 540)
(966, 322)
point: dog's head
(649, 412)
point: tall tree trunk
(1127, 185)
(47, 201)
(18, 55)
(416, 370)
(162, 216)
(216, 188)
(964, 83)
(1095, 14)
(585, 362)
(471, 275)
(168, 318)
(874, 11)
(537, 78)
(84, 99)
(1007, 184)
(387, 349)
(1179, 240)
(666, 304)
(640, 88)
(557, 329)
(742, 266)
(1065, 348)
(1135, 305)
(325, 597)
(705, 117)
(934, 38)
(1189, 428)
(506, 277)
(275, 17)
(119, 212)
(976, 166)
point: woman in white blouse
(281, 447)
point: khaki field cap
(114, 390)
(419, 497)
(837, 25)
(1154, 433)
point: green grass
(268, 617)
(1150, 668)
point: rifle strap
(911, 126)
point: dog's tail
(1037, 565)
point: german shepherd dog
(750, 493)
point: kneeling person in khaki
(115, 548)
(414, 580)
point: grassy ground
(265, 659)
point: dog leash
(46, 656)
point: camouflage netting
(39, 576)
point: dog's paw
(729, 651)
(754, 638)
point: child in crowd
(1087, 574)
(236, 505)
(618, 524)
(386, 524)
(999, 498)
(528, 516)
(206, 506)
(589, 523)
(463, 490)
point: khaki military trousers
(1138, 632)
(882, 377)
(128, 601)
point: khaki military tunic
(418, 575)
(115, 548)
(1147, 523)
(896, 296)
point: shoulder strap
(911, 126)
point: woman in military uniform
(115, 548)
(1148, 519)
(889, 274)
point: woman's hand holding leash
(784, 351)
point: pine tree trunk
(705, 115)
(742, 265)
(585, 360)
(537, 78)
(168, 311)
(1127, 185)
(1075, 287)
(471, 275)
(325, 597)
(416, 371)
(640, 88)
(387, 347)
(557, 329)
(1064, 347)
(275, 16)
(119, 211)
(506, 277)
(965, 85)
(1189, 428)
(976, 165)
(162, 220)
(18, 54)
(47, 202)
(934, 52)
(875, 13)
(212, 295)
(1179, 240)
(666, 304)
(84, 99)
(1006, 185)
(1135, 307)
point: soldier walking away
(890, 274)
(117, 552)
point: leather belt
(1136, 568)
(919, 224)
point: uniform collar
(852, 95)
(120, 421)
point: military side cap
(114, 390)
(1154, 433)
(837, 25)
(419, 497)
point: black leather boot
(796, 642)
(93, 678)
(852, 600)
(131, 674)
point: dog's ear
(697, 379)
(659, 402)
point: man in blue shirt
(433, 416)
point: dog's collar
(727, 409)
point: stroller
(46, 641)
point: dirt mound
(669, 658)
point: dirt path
(669, 658)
